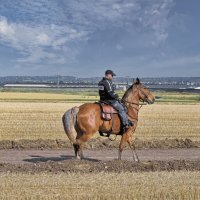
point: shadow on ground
(37, 158)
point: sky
(83, 38)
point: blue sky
(83, 38)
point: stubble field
(37, 116)
(140, 186)
(34, 120)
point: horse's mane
(127, 92)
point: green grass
(177, 97)
(87, 95)
(47, 97)
(70, 91)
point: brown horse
(86, 120)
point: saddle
(107, 110)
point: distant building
(26, 86)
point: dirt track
(34, 161)
(98, 144)
(34, 156)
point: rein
(132, 106)
(136, 103)
(133, 103)
(140, 104)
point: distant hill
(160, 82)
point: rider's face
(109, 76)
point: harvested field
(103, 185)
(36, 162)
(34, 121)
(56, 175)
(46, 97)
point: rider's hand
(119, 100)
(117, 96)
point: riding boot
(130, 123)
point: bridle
(140, 104)
(142, 101)
(145, 95)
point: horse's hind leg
(78, 151)
(132, 146)
(80, 140)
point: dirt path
(55, 161)
(34, 156)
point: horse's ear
(137, 81)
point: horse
(81, 123)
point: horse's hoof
(78, 158)
(136, 160)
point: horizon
(98, 76)
(158, 38)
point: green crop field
(62, 95)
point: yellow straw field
(46, 97)
(152, 185)
(36, 120)
(169, 121)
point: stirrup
(106, 134)
(130, 123)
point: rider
(107, 93)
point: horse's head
(143, 92)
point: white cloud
(150, 17)
(45, 29)
(43, 39)
(5, 29)
(32, 41)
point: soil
(55, 161)
(99, 143)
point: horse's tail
(69, 121)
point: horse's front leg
(132, 146)
(121, 145)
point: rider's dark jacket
(106, 90)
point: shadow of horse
(37, 158)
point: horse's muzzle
(150, 101)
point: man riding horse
(83, 122)
(107, 94)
